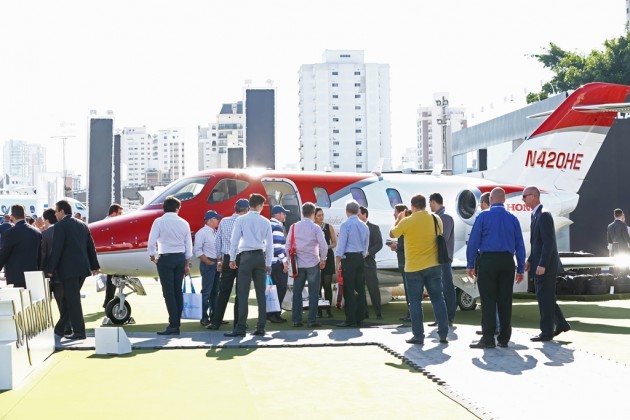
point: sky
(168, 64)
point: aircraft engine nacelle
(466, 204)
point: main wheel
(116, 313)
(465, 301)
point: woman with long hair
(329, 270)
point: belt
(495, 252)
(354, 253)
(171, 253)
(253, 251)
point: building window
(359, 153)
(358, 142)
(335, 143)
(357, 96)
(357, 107)
(334, 73)
(335, 84)
(335, 119)
(336, 166)
(335, 108)
(344, 55)
(335, 154)
(358, 119)
(359, 166)
(357, 73)
(358, 130)
(335, 96)
(335, 131)
(357, 85)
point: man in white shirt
(205, 249)
(170, 247)
(253, 243)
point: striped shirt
(279, 250)
(224, 233)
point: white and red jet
(555, 158)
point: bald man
(497, 236)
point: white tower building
(435, 124)
(344, 113)
(168, 154)
(136, 155)
(23, 162)
(216, 140)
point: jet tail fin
(559, 153)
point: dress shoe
(204, 322)
(433, 324)
(169, 331)
(314, 324)
(212, 326)
(541, 338)
(405, 318)
(75, 336)
(234, 334)
(559, 331)
(379, 317)
(414, 340)
(259, 332)
(482, 345)
(504, 345)
(298, 324)
(479, 332)
(450, 323)
(275, 319)
(345, 324)
(224, 322)
(444, 340)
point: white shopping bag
(192, 301)
(271, 296)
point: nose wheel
(117, 313)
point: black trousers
(57, 291)
(226, 282)
(251, 269)
(353, 287)
(110, 290)
(280, 279)
(495, 281)
(72, 311)
(171, 269)
(371, 281)
(550, 312)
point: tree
(572, 70)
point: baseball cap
(211, 214)
(279, 209)
(242, 204)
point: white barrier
(111, 340)
(26, 329)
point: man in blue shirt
(352, 248)
(497, 236)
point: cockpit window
(226, 189)
(183, 189)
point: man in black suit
(371, 280)
(617, 235)
(543, 265)
(73, 258)
(21, 248)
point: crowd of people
(246, 248)
(62, 247)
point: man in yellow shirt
(422, 268)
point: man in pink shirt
(312, 250)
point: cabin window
(323, 199)
(393, 196)
(359, 196)
(226, 189)
(183, 189)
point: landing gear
(118, 310)
(465, 301)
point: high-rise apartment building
(218, 142)
(22, 162)
(344, 113)
(435, 124)
(152, 159)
